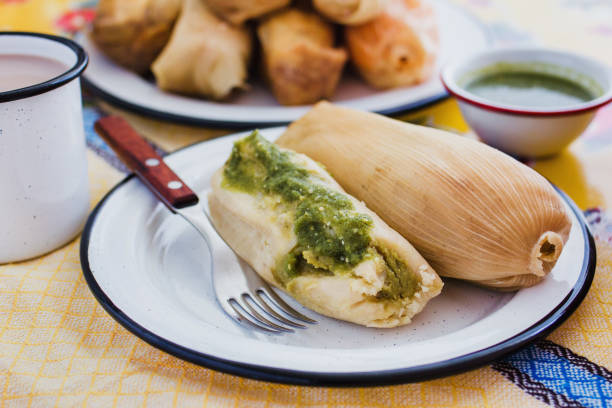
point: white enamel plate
(460, 34)
(150, 270)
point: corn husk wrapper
(472, 211)
(206, 56)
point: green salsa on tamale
(332, 237)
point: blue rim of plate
(353, 379)
(244, 125)
(234, 126)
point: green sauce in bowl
(529, 89)
(534, 85)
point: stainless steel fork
(240, 292)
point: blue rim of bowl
(72, 73)
(354, 379)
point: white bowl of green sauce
(528, 102)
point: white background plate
(460, 34)
(150, 271)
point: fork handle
(140, 157)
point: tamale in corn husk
(472, 211)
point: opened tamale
(285, 216)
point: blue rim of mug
(75, 71)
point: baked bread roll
(296, 227)
(205, 56)
(132, 33)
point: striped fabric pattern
(557, 376)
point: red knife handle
(140, 157)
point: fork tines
(267, 311)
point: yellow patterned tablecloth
(58, 347)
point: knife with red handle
(140, 157)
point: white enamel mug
(44, 192)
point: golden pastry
(238, 11)
(350, 12)
(205, 56)
(132, 33)
(299, 59)
(398, 47)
